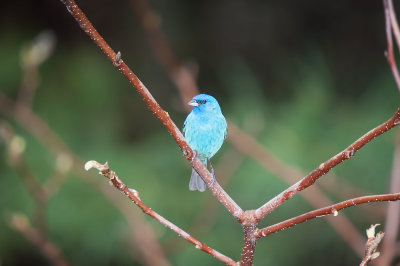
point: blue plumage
(205, 130)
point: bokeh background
(304, 78)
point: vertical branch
(249, 245)
(393, 209)
(393, 21)
(389, 17)
(393, 212)
(249, 226)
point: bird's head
(204, 102)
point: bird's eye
(203, 101)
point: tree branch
(246, 144)
(133, 195)
(392, 212)
(249, 245)
(154, 107)
(390, 17)
(325, 167)
(333, 209)
(393, 22)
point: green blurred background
(305, 78)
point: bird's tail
(196, 182)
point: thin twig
(134, 196)
(392, 212)
(333, 209)
(342, 189)
(325, 167)
(372, 245)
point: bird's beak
(193, 103)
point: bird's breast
(205, 134)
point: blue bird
(204, 130)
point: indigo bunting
(205, 130)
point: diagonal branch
(325, 167)
(333, 209)
(154, 107)
(133, 195)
